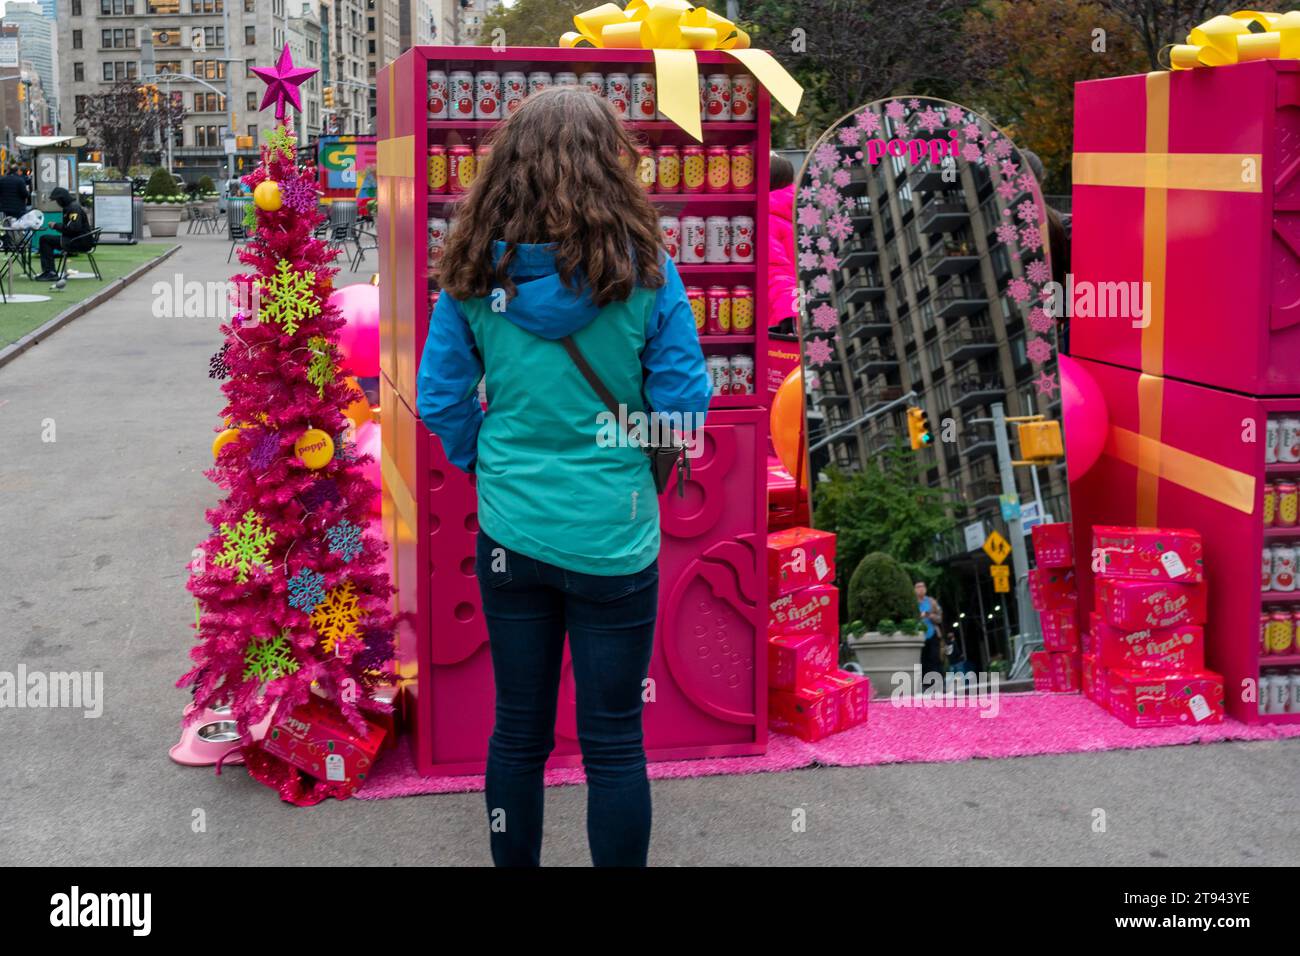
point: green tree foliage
(161, 184)
(533, 22)
(880, 590)
(884, 507)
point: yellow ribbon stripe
(1230, 487)
(1224, 40)
(1212, 172)
(674, 29)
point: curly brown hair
(562, 171)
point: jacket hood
(61, 196)
(543, 305)
(780, 203)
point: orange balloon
(222, 440)
(358, 411)
(787, 425)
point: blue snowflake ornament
(306, 590)
(344, 539)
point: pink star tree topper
(282, 82)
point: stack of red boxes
(808, 696)
(1055, 598)
(1145, 654)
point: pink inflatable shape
(1087, 420)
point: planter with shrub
(884, 634)
(163, 204)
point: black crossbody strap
(589, 373)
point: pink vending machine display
(709, 668)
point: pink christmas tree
(291, 593)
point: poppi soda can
(693, 239)
(643, 96)
(514, 87)
(437, 169)
(744, 93)
(717, 240)
(717, 318)
(742, 375)
(718, 163)
(460, 169)
(699, 308)
(742, 310)
(538, 80)
(693, 169)
(717, 97)
(1286, 503)
(742, 168)
(668, 169)
(487, 94)
(481, 155)
(618, 91)
(742, 239)
(460, 86)
(437, 229)
(1270, 504)
(436, 97)
(594, 82)
(645, 168)
(670, 227)
(720, 374)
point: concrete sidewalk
(96, 528)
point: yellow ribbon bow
(674, 30)
(1225, 40)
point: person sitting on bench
(74, 234)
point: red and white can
(742, 375)
(436, 96)
(668, 169)
(717, 240)
(717, 315)
(514, 87)
(1266, 571)
(699, 307)
(717, 98)
(718, 170)
(670, 228)
(1288, 448)
(694, 167)
(693, 239)
(566, 78)
(742, 239)
(1283, 577)
(437, 237)
(1272, 435)
(644, 103)
(594, 82)
(437, 169)
(538, 80)
(744, 97)
(704, 98)
(460, 169)
(487, 94)
(460, 85)
(742, 310)
(720, 374)
(618, 90)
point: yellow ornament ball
(222, 440)
(315, 448)
(267, 195)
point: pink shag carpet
(1025, 725)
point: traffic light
(918, 429)
(1041, 441)
(328, 95)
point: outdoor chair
(65, 255)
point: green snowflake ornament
(269, 658)
(286, 297)
(247, 545)
(281, 140)
(320, 371)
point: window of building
(927, 316)
(250, 35)
(214, 36)
(168, 66)
(79, 104)
(209, 103)
(120, 70)
(252, 100)
(210, 69)
(251, 129)
(118, 38)
(79, 72)
(76, 39)
(933, 357)
(250, 6)
(110, 8)
(76, 8)
(205, 6)
(164, 6)
(1019, 357)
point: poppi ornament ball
(315, 448)
(267, 195)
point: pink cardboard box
(799, 557)
(1065, 672)
(1052, 589)
(1151, 554)
(814, 609)
(793, 660)
(852, 693)
(1135, 605)
(1184, 179)
(1169, 650)
(317, 740)
(1060, 632)
(1143, 700)
(1092, 674)
(1053, 545)
(1041, 663)
(809, 713)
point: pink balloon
(368, 443)
(1087, 420)
(359, 339)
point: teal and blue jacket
(550, 484)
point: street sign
(1001, 578)
(996, 547)
(974, 536)
(1010, 507)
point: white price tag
(1174, 566)
(821, 567)
(334, 768)
(1200, 709)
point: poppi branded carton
(1166, 650)
(1153, 554)
(809, 713)
(813, 609)
(1143, 700)
(1135, 605)
(1060, 631)
(793, 660)
(1065, 672)
(1052, 589)
(316, 739)
(852, 693)
(1041, 663)
(799, 557)
(1053, 545)
(1093, 677)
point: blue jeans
(610, 620)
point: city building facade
(383, 44)
(39, 39)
